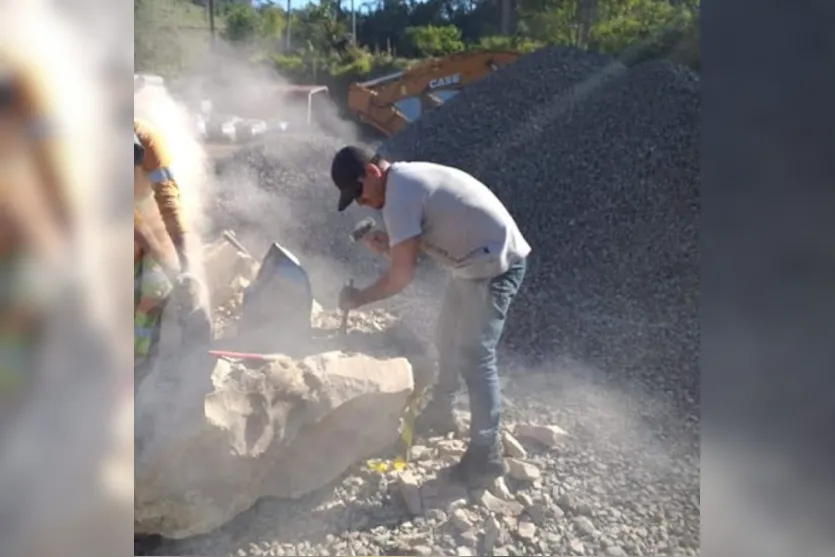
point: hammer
(343, 327)
(230, 237)
(362, 228)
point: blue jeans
(469, 329)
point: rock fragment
(498, 487)
(409, 487)
(585, 526)
(451, 448)
(499, 506)
(512, 447)
(462, 519)
(492, 532)
(537, 513)
(548, 435)
(522, 471)
(526, 530)
(577, 547)
(419, 452)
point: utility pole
(289, 19)
(212, 22)
(353, 24)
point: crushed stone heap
(479, 121)
(600, 167)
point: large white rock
(209, 447)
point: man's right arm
(378, 242)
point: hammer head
(362, 228)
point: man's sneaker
(479, 466)
(435, 421)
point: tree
(634, 23)
(431, 40)
(273, 22)
(242, 23)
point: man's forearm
(386, 286)
(182, 247)
(167, 195)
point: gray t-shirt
(460, 222)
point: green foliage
(273, 22)
(501, 42)
(171, 34)
(315, 27)
(355, 63)
(289, 65)
(242, 23)
(550, 21)
(431, 40)
(636, 23)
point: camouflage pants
(19, 331)
(151, 289)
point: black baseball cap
(347, 171)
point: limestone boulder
(209, 446)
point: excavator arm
(374, 102)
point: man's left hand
(350, 298)
(195, 319)
(187, 293)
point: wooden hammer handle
(229, 237)
(343, 327)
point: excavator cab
(390, 102)
(413, 108)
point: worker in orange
(162, 277)
(35, 223)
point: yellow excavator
(390, 102)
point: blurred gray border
(768, 276)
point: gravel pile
(600, 166)
(281, 189)
(503, 107)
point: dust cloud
(222, 86)
(190, 164)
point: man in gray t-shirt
(461, 224)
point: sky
(302, 3)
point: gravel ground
(600, 167)
(614, 487)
